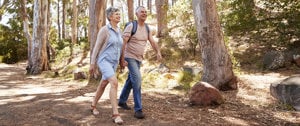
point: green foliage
(187, 79)
(13, 46)
(181, 16)
(150, 80)
(60, 45)
(182, 42)
(284, 106)
(272, 23)
(1, 59)
(62, 54)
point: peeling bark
(217, 65)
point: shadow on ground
(66, 103)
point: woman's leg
(100, 89)
(113, 99)
(113, 93)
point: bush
(10, 58)
(271, 23)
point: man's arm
(126, 36)
(154, 46)
(122, 58)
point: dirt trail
(35, 100)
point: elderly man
(134, 46)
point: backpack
(134, 28)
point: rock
(205, 94)
(192, 70)
(287, 91)
(296, 59)
(230, 85)
(78, 74)
(162, 68)
(274, 60)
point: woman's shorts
(108, 68)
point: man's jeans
(133, 81)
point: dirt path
(34, 100)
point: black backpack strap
(134, 27)
(148, 29)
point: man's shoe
(124, 106)
(139, 114)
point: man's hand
(123, 64)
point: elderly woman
(106, 55)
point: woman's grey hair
(110, 11)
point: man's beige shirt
(136, 45)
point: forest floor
(38, 100)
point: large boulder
(205, 94)
(274, 60)
(287, 91)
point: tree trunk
(39, 52)
(74, 22)
(112, 3)
(161, 8)
(149, 5)
(140, 3)
(64, 15)
(173, 2)
(217, 65)
(26, 31)
(96, 20)
(130, 10)
(58, 22)
(48, 45)
(82, 11)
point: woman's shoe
(117, 119)
(94, 110)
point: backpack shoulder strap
(147, 28)
(134, 27)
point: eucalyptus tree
(38, 51)
(130, 10)
(217, 65)
(162, 24)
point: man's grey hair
(110, 11)
(138, 8)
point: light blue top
(112, 51)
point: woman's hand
(92, 69)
